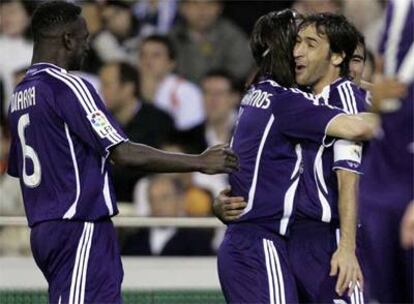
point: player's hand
(228, 208)
(345, 265)
(386, 89)
(407, 227)
(218, 159)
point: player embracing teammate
(318, 260)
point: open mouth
(299, 68)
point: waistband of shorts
(253, 230)
(53, 221)
(311, 224)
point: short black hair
(128, 74)
(361, 41)
(164, 40)
(221, 73)
(272, 42)
(51, 15)
(341, 34)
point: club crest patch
(100, 124)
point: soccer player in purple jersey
(63, 141)
(386, 195)
(322, 243)
(273, 120)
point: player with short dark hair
(63, 141)
(273, 120)
(322, 243)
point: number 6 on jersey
(32, 180)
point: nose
(297, 50)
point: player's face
(80, 47)
(356, 65)
(154, 59)
(219, 99)
(110, 86)
(312, 56)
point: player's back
(272, 120)
(55, 153)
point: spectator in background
(118, 40)
(15, 44)
(155, 16)
(305, 7)
(142, 123)
(167, 198)
(220, 98)
(179, 97)
(13, 240)
(205, 41)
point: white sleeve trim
(325, 143)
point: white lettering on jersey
(257, 99)
(21, 100)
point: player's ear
(68, 41)
(337, 58)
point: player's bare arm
(351, 127)
(344, 262)
(217, 159)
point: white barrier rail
(134, 221)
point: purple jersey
(60, 139)
(388, 166)
(272, 122)
(317, 197)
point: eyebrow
(311, 39)
(357, 57)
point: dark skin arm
(217, 159)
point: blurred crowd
(172, 73)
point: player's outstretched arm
(217, 159)
(352, 127)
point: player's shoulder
(345, 94)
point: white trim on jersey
(398, 18)
(406, 71)
(319, 178)
(107, 195)
(85, 99)
(72, 209)
(290, 193)
(347, 97)
(252, 190)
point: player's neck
(327, 79)
(49, 57)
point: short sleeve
(85, 114)
(347, 156)
(298, 117)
